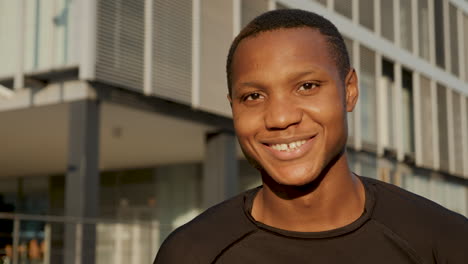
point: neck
(333, 200)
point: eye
(307, 86)
(253, 97)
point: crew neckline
(356, 224)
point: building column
(82, 181)
(220, 168)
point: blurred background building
(115, 127)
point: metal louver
(344, 7)
(120, 43)
(458, 132)
(426, 122)
(442, 125)
(172, 49)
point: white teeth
(289, 147)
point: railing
(34, 239)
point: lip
(295, 154)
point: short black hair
(293, 18)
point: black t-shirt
(396, 227)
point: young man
(290, 87)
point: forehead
(283, 50)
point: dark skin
(289, 106)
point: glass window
(178, 195)
(388, 84)
(442, 125)
(122, 191)
(456, 197)
(368, 164)
(437, 189)
(417, 183)
(46, 34)
(457, 131)
(249, 177)
(406, 29)
(8, 36)
(349, 47)
(439, 33)
(323, 2)
(386, 20)
(9, 195)
(366, 13)
(344, 7)
(453, 26)
(426, 122)
(465, 28)
(251, 9)
(281, 6)
(441, 190)
(171, 46)
(368, 96)
(423, 24)
(407, 111)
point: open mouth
(289, 147)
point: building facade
(116, 128)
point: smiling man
(290, 88)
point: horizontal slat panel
(120, 40)
(172, 49)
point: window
(248, 176)
(442, 125)
(251, 9)
(344, 7)
(366, 13)
(349, 47)
(386, 19)
(456, 197)
(323, 2)
(388, 85)
(417, 183)
(465, 28)
(368, 96)
(8, 37)
(423, 24)
(177, 189)
(439, 33)
(406, 29)
(426, 122)
(120, 44)
(46, 34)
(281, 6)
(407, 111)
(453, 26)
(367, 164)
(457, 133)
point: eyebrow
(295, 77)
(299, 75)
(251, 84)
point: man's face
(289, 103)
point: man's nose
(282, 113)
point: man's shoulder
(204, 237)
(427, 227)
(392, 201)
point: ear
(229, 99)
(352, 90)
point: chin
(292, 176)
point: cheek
(245, 123)
(330, 115)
